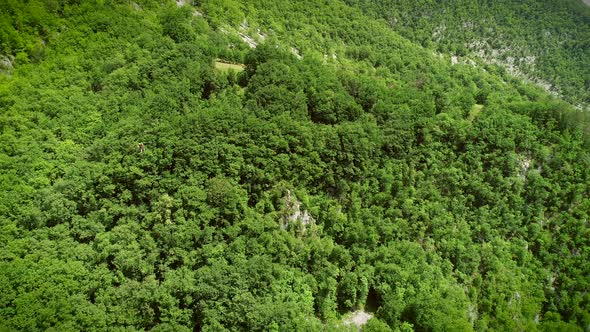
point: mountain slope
(144, 186)
(546, 42)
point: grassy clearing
(224, 66)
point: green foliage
(357, 172)
(376, 325)
(546, 41)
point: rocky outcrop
(294, 213)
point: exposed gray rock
(294, 212)
(248, 40)
(296, 53)
(6, 62)
(358, 319)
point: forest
(274, 165)
(547, 42)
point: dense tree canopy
(343, 167)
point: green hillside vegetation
(148, 183)
(547, 41)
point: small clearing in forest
(226, 66)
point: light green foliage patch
(474, 112)
(224, 66)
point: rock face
(261, 35)
(524, 165)
(248, 40)
(358, 319)
(6, 62)
(294, 212)
(296, 53)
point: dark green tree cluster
(359, 171)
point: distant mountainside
(274, 165)
(546, 42)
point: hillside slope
(547, 42)
(330, 165)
